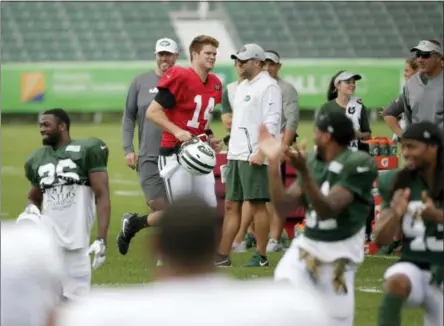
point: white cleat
(273, 246)
(239, 247)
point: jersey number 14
(207, 114)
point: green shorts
(246, 182)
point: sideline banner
(102, 86)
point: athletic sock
(390, 310)
(141, 222)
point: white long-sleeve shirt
(257, 101)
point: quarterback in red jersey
(183, 108)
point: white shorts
(422, 294)
(76, 279)
(181, 183)
(341, 306)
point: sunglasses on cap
(424, 55)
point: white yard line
(11, 170)
(128, 193)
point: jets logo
(206, 151)
(164, 43)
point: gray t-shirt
(423, 100)
(290, 106)
(140, 95)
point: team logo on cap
(164, 43)
(243, 49)
(247, 98)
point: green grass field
(18, 141)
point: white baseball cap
(272, 57)
(427, 46)
(166, 45)
(249, 51)
(346, 75)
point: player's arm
(169, 88)
(97, 161)
(284, 200)
(35, 195)
(272, 109)
(365, 132)
(356, 182)
(391, 114)
(129, 118)
(388, 225)
(291, 113)
(164, 100)
(226, 111)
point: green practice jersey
(422, 240)
(63, 177)
(354, 171)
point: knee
(398, 284)
(258, 206)
(231, 207)
(156, 204)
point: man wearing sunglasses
(257, 101)
(423, 93)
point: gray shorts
(152, 184)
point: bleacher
(79, 31)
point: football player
(413, 201)
(337, 184)
(69, 181)
(189, 291)
(183, 108)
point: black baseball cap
(338, 125)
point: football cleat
(127, 232)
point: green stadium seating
(125, 30)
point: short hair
(199, 41)
(412, 63)
(189, 232)
(61, 115)
(274, 52)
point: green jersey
(63, 177)
(422, 240)
(341, 236)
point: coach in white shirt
(258, 100)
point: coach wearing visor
(423, 93)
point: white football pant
(181, 182)
(340, 306)
(422, 294)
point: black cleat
(127, 232)
(222, 261)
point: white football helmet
(197, 157)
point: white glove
(98, 247)
(30, 214)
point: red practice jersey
(194, 101)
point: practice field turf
(18, 141)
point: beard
(51, 140)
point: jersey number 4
(194, 122)
(50, 171)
